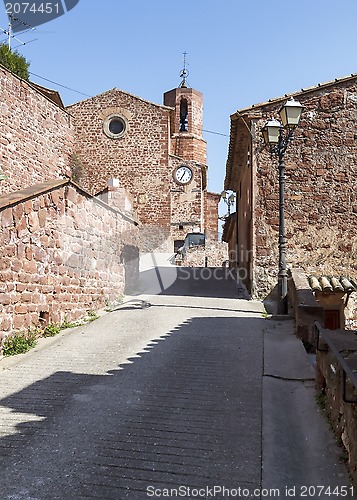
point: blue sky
(239, 52)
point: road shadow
(184, 412)
(216, 282)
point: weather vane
(184, 73)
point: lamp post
(278, 135)
(228, 199)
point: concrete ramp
(152, 260)
(299, 450)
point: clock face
(183, 175)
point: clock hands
(183, 175)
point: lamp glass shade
(224, 195)
(271, 131)
(290, 113)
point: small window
(183, 115)
(178, 244)
(115, 126)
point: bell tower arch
(186, 122)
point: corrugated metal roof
(332, 284)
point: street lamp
(228, 199)
(278, 135)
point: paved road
(148, 399)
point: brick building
(63, 252)
(36, 138)
(159, 156)
(320, 188)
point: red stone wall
(63, 253)
(213, 254)
(342, 415)
(351, 312)
(211, 201)
(36, 135)
(188, 146)
(320, 187)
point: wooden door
(332, 319)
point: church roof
(115, 89)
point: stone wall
(63, 253)
(351, 312)
(342, 415)
(190, 144)
(304, 306)
(213, 254)
(36, 135)
(211, 201)
(320, 187)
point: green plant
(19, 344)
(51, 330)
(111, 305)
(67, 324)
(91, 316)
(120, 299)
(265, 314)
(14, 62)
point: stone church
(64, 251)
(157, 153)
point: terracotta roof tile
(332, 284)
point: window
(115, 126)
(183, 115)
(178, 244)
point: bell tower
(186, 124)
